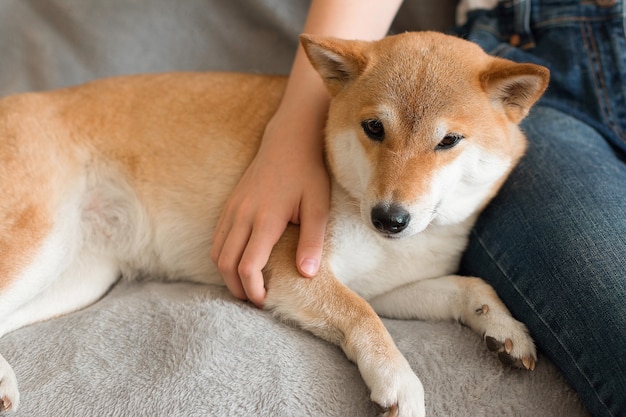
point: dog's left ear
(515, 87)
(337, 61)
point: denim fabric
(553, 242)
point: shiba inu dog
(127, 176)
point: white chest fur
(371, 264)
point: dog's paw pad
(493, 344)
(503, 351)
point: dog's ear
(338, 61)
(515, 87)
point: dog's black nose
(390, 219)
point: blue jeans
(553, 242)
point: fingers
(228, 244)
(255, 256)
(241, 249)
(278, 187)
(312, 231)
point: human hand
(286, 182)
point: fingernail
(309, 266)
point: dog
(127, 177)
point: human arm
(287, 180)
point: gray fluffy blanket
(178, 349)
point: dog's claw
(508, 345)
(529, 363)
(484, 309)
(6, 404)
(392, 412)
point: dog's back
(126, 155)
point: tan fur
(26, 215)
(130, 174)
(16, 250)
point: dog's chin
(391, 236)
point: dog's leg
(471, 301)
(333, 312)
(84, 282)
(61, 275)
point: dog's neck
(361, 256)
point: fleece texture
(180, 349)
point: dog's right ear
(337, 61)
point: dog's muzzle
(390, 219)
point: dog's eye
(449, 141)
(374, 129)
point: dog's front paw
(486, 314)
(399, 392)
(508, 339)
(519, 354)
(9, 394)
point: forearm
(351, 19)
(305, 101)
(287, 180)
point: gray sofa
(154, 349)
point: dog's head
(423, 127)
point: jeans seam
(586, 44)
(598, 79)
(536, 313)
(573, 19)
